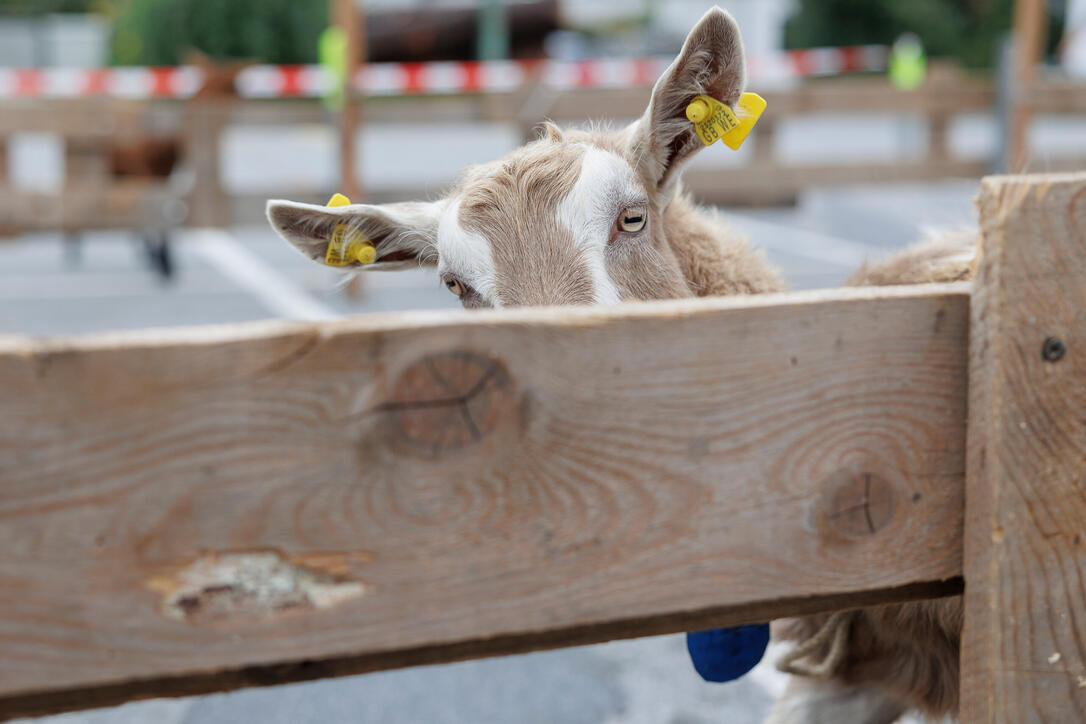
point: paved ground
(246, 273)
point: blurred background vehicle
(140, 138)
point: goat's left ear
(710, 63)
(403, 234)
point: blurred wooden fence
(90, 128)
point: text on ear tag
(344, 250)
(713, 119)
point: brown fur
(816, 701)
(697, 254)
(712, 63)
(659, 270)
(714, 260)
(512, 202)
(908, 651)
(945, 257)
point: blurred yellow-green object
(332, 52)
(908, 64)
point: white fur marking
(466, 255)
(605, 185)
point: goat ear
(403, 234)
(710, 63)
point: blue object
(725, 654)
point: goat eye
(453, 285)
(633, 219)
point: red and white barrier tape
(384, 79)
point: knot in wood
(859, 505)
(1053, 349)
(448, 401)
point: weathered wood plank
(766, 183)
(1024, 657)
(201, 509)
(1050, 96)
(109, 204)
(84, 119)
(204, 126)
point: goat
(598, 217)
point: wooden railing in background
(91, 197)
(94, 200)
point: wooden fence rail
(93, 200)
(435, 487)
(192, 510)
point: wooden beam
(351, 19)
(1057, 97)
(193, 510)
(851, 95)
(1023, 656)
(844, 95)
(759, 184)
(1030, 18)
(133, 203)
(99, 119)
(204, 126)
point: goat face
(578, 217)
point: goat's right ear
(402, 234)
(711, 63)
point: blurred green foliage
(160, 32)
(44, 7)
(970, 31)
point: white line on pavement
(274, 290)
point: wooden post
(765, 142)
(351, 18)
(86, 162)
(942, 79)
(939, 137)
(1029, 37)
(1024, 645)
(204, 123)
(7, 220)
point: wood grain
(1023, 656)
(466, 484)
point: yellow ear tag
(343, 251)
(713, 119)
